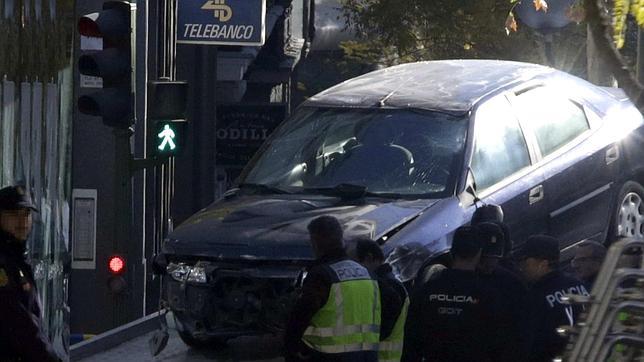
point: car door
(502, 166)
(578, 169)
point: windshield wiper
(350, 192)
(263, 188)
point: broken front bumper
(221, 300)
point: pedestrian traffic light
(167, 104)
(115, 24)
(169, 137)
(116, 267)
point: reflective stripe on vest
(350, 319)
(391, 348)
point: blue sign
(221, 22)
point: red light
(116, 265)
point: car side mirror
(470, 185)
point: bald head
(326, 235)
(597, 249)
(588, 259)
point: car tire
(210, 343)
(628, 216)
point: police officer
(21, 335)
(393, 298)
(510, 289)
(539, 259)
(494, 214)
(337, 314)
(452, 316)
(588, 259)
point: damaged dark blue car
(399, 155)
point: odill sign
(241, 129)
(221, 22)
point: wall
(35, 137)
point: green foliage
(621, 10)
(399, 31)
(439, 29)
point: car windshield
(387, 151)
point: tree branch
(600, 30)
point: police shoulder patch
(4, 278)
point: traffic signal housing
(167, 104)
(115, 102)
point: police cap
(14, 198)
(467, 241)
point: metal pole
(122, 216)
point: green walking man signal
(166, 117)
(169, 137)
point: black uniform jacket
(452, 317)
(392, 299)
(21, 335)
(313, 296)
(547, 312)
(511, 295)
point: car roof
(444, 85)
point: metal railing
(617, 293)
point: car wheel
(210, 343)
(628, 219)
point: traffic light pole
(125, 166)
(115, 102)
(122, 215)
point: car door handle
(612, 154)
(536, 194)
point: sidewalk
(263, 348)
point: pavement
(254, 349)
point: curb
(114, 337)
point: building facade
(36, 100)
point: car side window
(500, 149)
(554, 119)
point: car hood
(275, 227)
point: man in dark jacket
(393, 297)
(337, 314)
(510, 288)
(22, 337)
(539, 258)
(453, 317)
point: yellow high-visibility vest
(391, 348)
(350, 319)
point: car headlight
(197, 275)
(182, 273)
